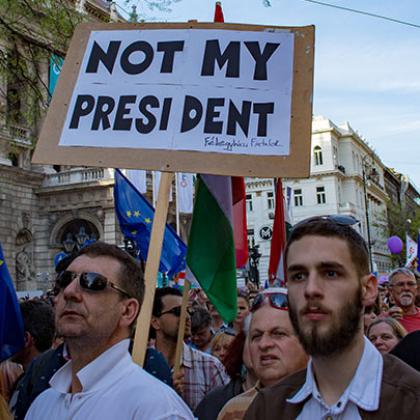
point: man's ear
(130, 311)
(155, 323)
(369, 290)
(29, 340)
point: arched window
(318, 155)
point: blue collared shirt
(362, 392)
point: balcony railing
(18, 134)
(77, 176)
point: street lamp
(369, 172)
(254, 259)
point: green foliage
(30, 32)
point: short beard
(341, 333)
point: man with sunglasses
(329, 284)
(274, 348)
(200, 372)
(98, 298)
(403, 288)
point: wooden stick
(152, 266)
(181, 329)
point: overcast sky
(367, 70)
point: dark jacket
(211, 405)
(400, 396)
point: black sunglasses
(94, 282)
(339, 219)
(176, 311)
(277, 300)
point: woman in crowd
(385, 333)
(221, 342)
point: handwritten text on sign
(202, 90)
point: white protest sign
(198, 90)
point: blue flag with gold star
(135, 215)
(11, 323)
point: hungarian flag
(211, 248)
(282, 222)
(238, 194)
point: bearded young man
(347, 378)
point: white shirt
(114, 388)
(363, 391)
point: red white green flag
(211, 248)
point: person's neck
(334, 373)
(82, 353)
(217, 323)
(167, 347)
(29, 357)
(409, 310)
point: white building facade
(347, 177)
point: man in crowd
(39, 327)
(201, 331)
(347, 378)
(201, 372)
(274, 349)
(403, 288)
(38, 324)
(97, 302)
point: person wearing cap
(274, 349)
(98, 298)
(329, 283)
(403, 288)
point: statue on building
(23, 267)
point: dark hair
(38, 320)
(131, 274)
(328, 228)
(200, 318)
(159, 294)
(233, 360)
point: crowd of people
(332, 344)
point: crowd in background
(387, 322)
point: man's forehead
(322, 249)
(401, 276)
(268, 317)
(171, 300)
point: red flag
(238, 195)
(277, 267)
(218, 13)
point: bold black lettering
(191, 103)
(262, 110)
(104, 107)
(236, 117)
(107, 58)
(212, 54)
(169, 49)
(141, 46)
(121, 123)
(166, 109)
(211, 126)
(148, 101)
(260, 72)
(83, 106)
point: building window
(270, 200)
(320, 195)
(298, 197)
(318, 155)
(249, 206)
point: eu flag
(135, 215)
(11, 323)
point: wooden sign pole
(181, 329)
(152, 266)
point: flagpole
(177, 203)
(152, 265)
